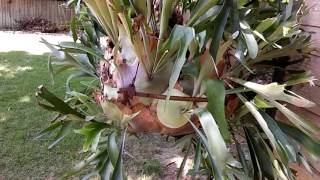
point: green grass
(152, 167)
(21, 118)
(22, 157)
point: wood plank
(313, 64)
(307, 91)
(22, 9)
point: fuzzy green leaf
(57, 104)
(81, 48)
(265, 24)
(216, 144)
(259, 155)
(183, 36)
(66, 128)
(113, 148)
(118, 172)
(252, 44)
(284, 144)
(219, 28)
(92, 132)
(275, 91)
(216, 93)
(312, 145)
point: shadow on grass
(21, 118)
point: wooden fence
(51, 10)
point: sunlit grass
(21, 118)
(8, 71)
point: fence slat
(13, 10)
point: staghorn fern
(186, 68)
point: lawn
(22, 157)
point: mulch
(38, 25)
